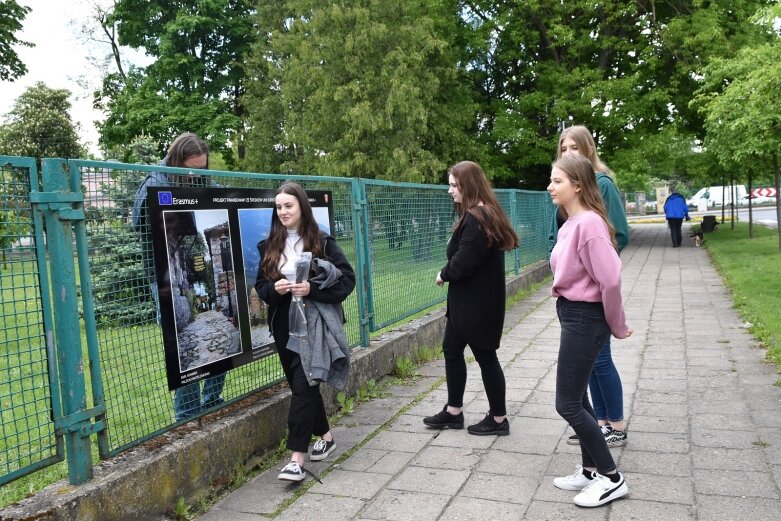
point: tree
(196, 81)
(39, 125)
(11, 16)
(359, 88)
(625, 69)
(741, 103)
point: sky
(60, 60)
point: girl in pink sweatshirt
(587, 281)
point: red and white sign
(763, 192)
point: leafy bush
(120, 289)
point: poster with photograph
(206, 265)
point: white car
(756, 200)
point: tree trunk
(750, 208)
(777, 175)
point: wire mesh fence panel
(408, 231)
(533, 217)
(505, 198)
(27, 434)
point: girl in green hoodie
(605, 382)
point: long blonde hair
(580, 172)
(585, 143)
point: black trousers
(307, 412)
(455, 371)
(584, 331)
(675, 231)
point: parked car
(756, 200)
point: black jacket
(476, 288)
(278, 305)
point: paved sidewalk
(703, 418)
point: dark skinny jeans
(584, 331)
(455, 371)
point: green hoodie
(615, 213)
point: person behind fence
(587, 283)
(607, 392)
(675, 211)
(475, 299)
(294, 232)
(187, 151)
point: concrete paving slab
(394, 505)
(322, 507)
(468, 509)
(739, 483)
(548, 511)
(453, 458)
(496, 487)
(346, 483)
(650, 511)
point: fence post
(363, 278)
(514, 219)
(75, 424)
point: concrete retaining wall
(145, 482)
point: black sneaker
(322, 449)
(445, 420)
(489, 427)
(291, 472)
(606, 430)
(616, 438)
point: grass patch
(750, 268)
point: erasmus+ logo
(165, 198)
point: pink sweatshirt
(586, 267)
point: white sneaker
(601, 490)
(577, 481)
(291, 472)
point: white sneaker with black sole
(601, 491)
(291, 472)
(577, 481)
(322, 449)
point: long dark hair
(475, 189)
(184, 147)
(580, 172)
(307, 229)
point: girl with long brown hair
(475, 299)
(607, 391)
(294, 231)
(587, 281)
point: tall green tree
(196, 81)
(11, 17)
(39, 125)
(626, 69)
(741, 103)
(363, 88)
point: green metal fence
(28, 440)
(394, 234)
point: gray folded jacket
(325, 351)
